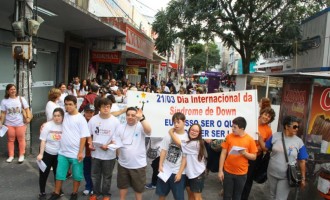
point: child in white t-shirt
(102, 128)
(171, 158)
(195, 153)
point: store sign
(132, 70)
(137, 42)
(107, 57)
(295, 97)
(136, 62)
(318, 138)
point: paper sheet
(97, 144)
(3, 130)
(165, 175)
(235, 150)
(113, 147)
(323, 185)
(42, 166)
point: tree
(197, 56)
(166, 34)
(251, 27)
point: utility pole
(25, 25)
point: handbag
(216, 145)
(24, 113)
(260, 173)
(152, 153)
(293, 174)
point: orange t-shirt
(265, 132)
(238, 164)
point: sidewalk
(20, 181)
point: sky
(155, 4)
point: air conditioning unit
(22, 50)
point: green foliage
(198, 54)
(251, 27)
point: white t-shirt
(50, 107)
(103, 131)
(114, 107)
(114, 88)
(76, 86)
(83, 92)
(174, 154)
(13, 109)
(74, 128)
(194, 167)
(133, 152)
(119, 99)
(52, 134)
(61, 100)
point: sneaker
(150, 186)
(42, 195)
(87, 192)
(21, 159)
(93, 197)
(54, 196)
(10, 159)
(61, 193)
(74, 196)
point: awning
(171, 65)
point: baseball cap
(89, 107)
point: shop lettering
(105, 56)
(323, 100)
(295, 96)
(135, 40)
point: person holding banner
(195, 153)
(172, 163)
(237, 149)
(266, 116)
(132, 158)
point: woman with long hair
(12, 107)
(83, 89)
(50, 137)
(196, 155)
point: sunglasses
(295, 127)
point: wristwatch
(143, 118)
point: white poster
(214, 112)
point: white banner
(214, 112)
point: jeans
(102, 171)
(88, 173)
(233, 186)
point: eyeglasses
(295, 127)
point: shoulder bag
(293, 174)
(152, 153)
(25, 114)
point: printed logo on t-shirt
(56, 135)
(100, 131)
(14, 111)
(173, 153)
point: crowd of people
(87, 141)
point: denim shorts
(63, 165)
(177, 188)
(196, 184)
